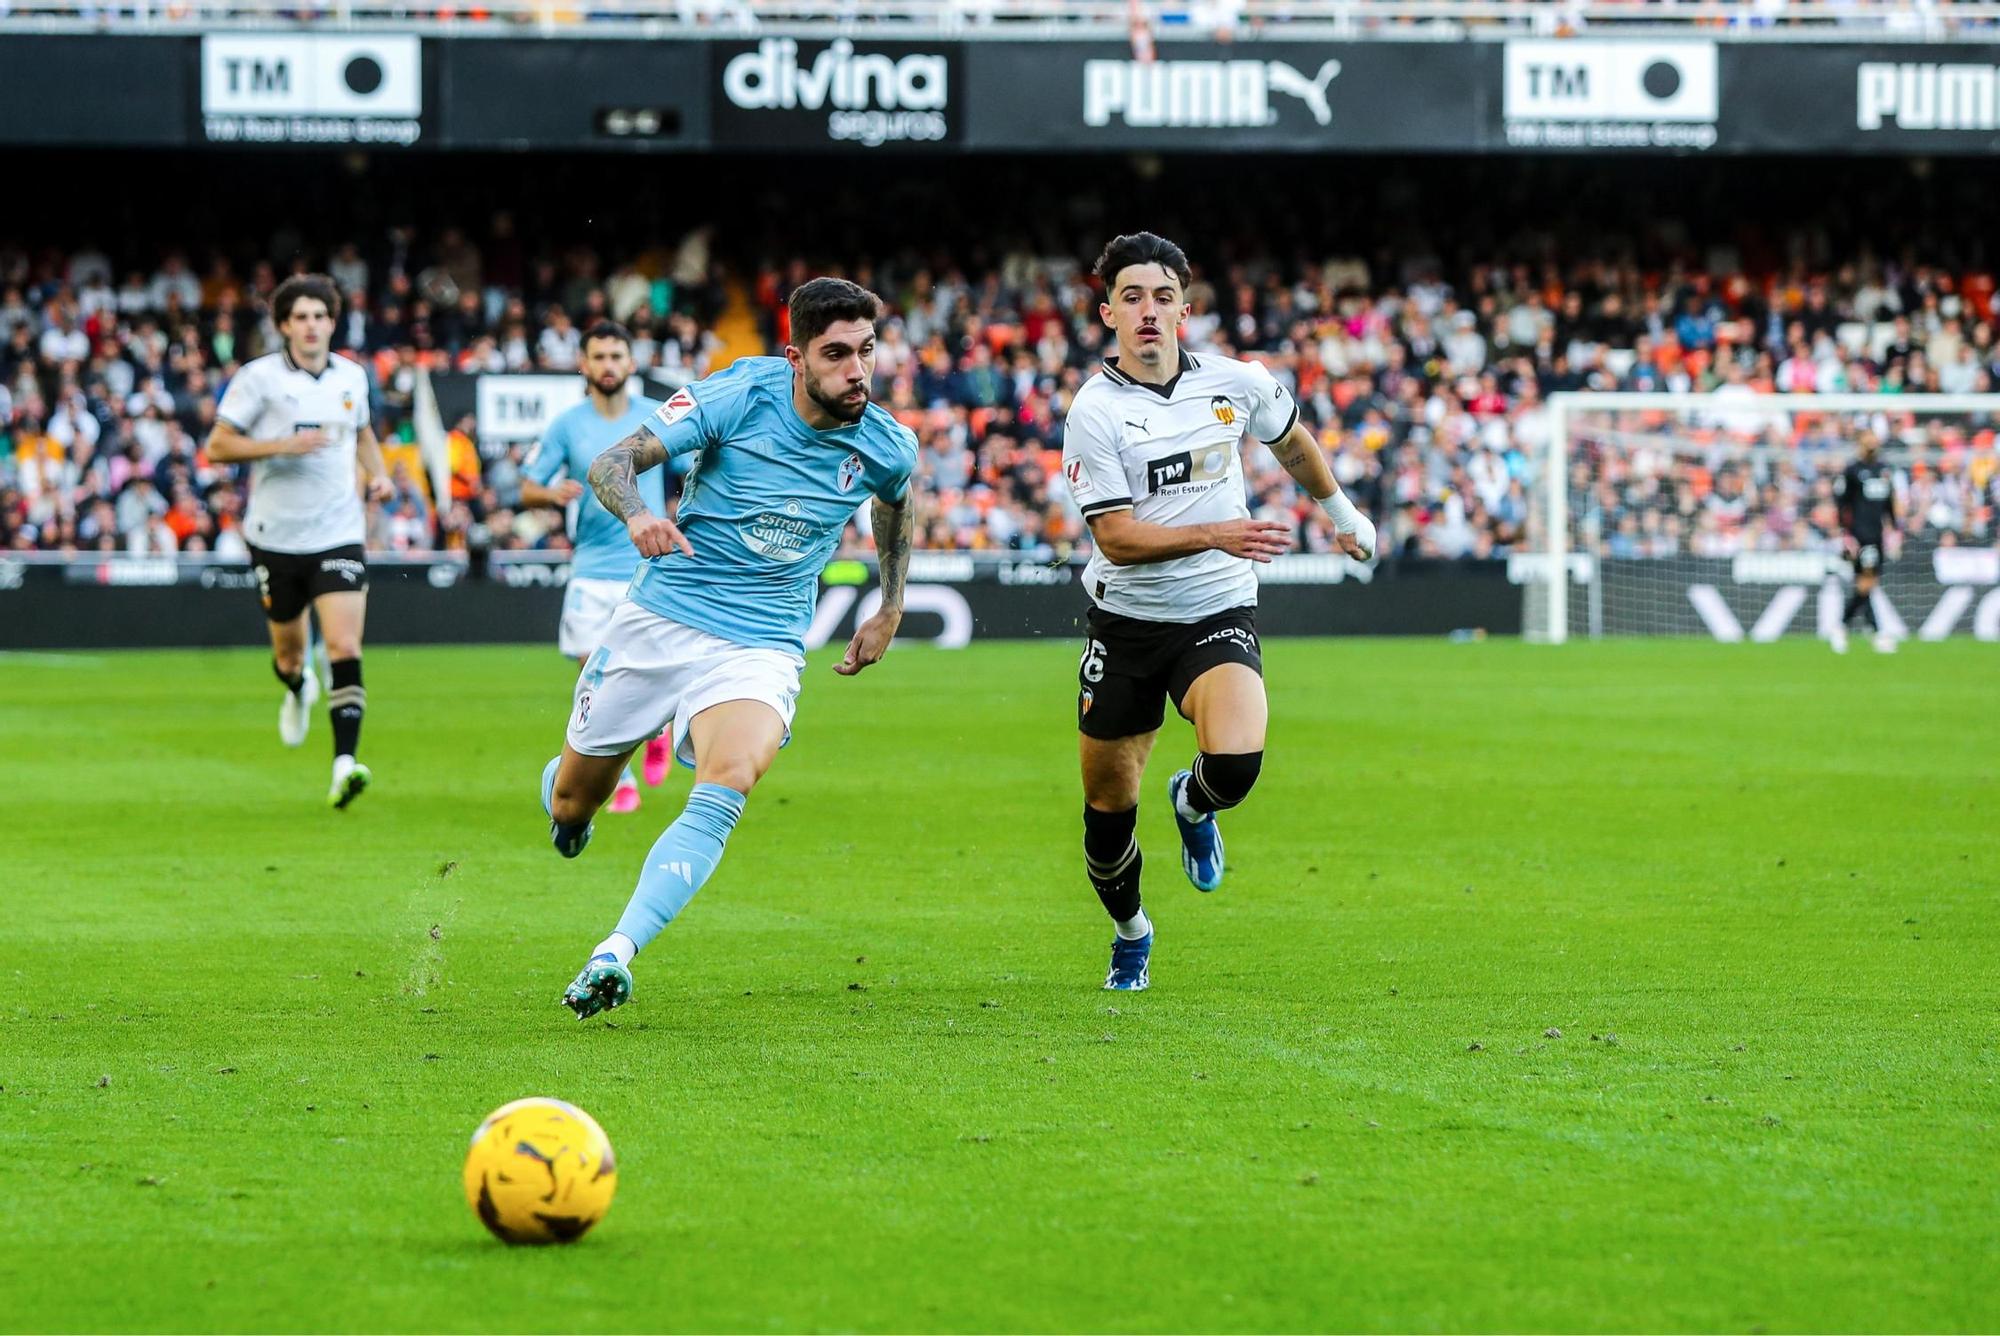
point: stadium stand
(1422, 350)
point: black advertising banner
(94, 91)
(784, 93)
(1265, 97)
(1673, 94)
(1927, 593)
(575, 93)
(952, 599)
(1897, 99)
(1686, 95)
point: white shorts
(650, 669)
(587, 609)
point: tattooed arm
(1299, 453)
(894, 525)
(614, 477)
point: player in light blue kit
(604, 559)
(711, 634)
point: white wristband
(1347, 519)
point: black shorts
(290, 581)
(1867, 558)
(1130, 666)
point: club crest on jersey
(347, 402)
(676, 408)
(1225, 412)
(850, 473)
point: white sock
(617, 945)
(1132, 929)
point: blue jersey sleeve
(551, 454)
(684, 423)
(894, 484)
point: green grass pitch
(1631, 985)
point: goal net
(1715, 515)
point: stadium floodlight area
(1684, 514)
(1402, 19)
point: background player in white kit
(1151, 452)
(300, 419)
(604, 560)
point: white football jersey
(1171, 454)
(301, 503)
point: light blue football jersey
(579, 435)
(765, 503)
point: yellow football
(540, 1171)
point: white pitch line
(52, 659)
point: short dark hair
(823, 301)
(607, 329)
(316, 286)
(1121, 253)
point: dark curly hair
(316, 286)
(825, 301)
(1121, 253)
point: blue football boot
(1201, 840)
(1129, 962)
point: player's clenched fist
(1259, 540)
(655, 537)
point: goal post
(1714, 514)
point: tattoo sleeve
(893, 526)
(614, 475)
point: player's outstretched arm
(558, 495)
(894, 526)
(614, 477)
(226, 445)
(1298, 453)
(1125, 541)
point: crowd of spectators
(1426, 383)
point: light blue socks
(681, 860)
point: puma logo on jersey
(1140, 425)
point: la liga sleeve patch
(676, 408)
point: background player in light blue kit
(711, 635)
(604, 559)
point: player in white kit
(1151, 453)
(299, 418)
